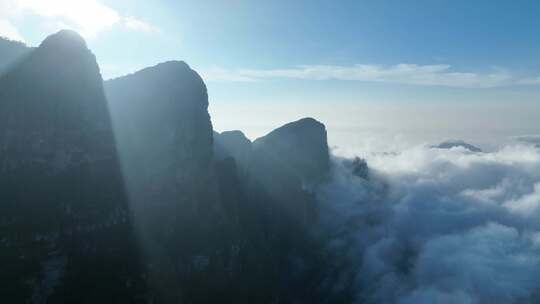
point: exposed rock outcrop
(132, 198)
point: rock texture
(129, 196)
(53, 109)
(301, 146)
(62, 198)
(10, 53)
(233, 144)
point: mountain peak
(303, 143)
(173, 64)
(65, 39)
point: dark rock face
(457, 143)
(233, 144)
(358, 167)
(63, 216)
(133, 199)
(165, 143)
(10, 53)
(300, 146)
(163, 131)
(208, 222)
(53, 109)
(165, 105)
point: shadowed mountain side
(10, 53)
(233, 144)
(164, 137)
(275, 210)
(284, 163)
(300, 147)
(167, 106)
(164, 221)
(203, 223)
(64, 222)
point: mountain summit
(62, 189)
(53, 106)
(301, 145)
(64, 40)
(125, 197)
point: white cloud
(439, 226)
(8, 30)
(88, 17)
(528, 204)
(221, 74)
(139, 25)
(531, 81)
(410, 74)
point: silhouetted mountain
(10, 53)
(141, 204)
(206, 225)
(53, 106)
(358, 167)
(457, 143)
(233, 144)
(63, 216)
(301, 146)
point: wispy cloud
(410, 74)
(139, 25)
(531, 81)
(88, 17)
(8, 30)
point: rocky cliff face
(164, 109)
(53, 109)
(10, 53)
(300, 146)
(62, 198)
(233, 144)
(122, 199)
(165, 143)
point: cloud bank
(88, 17)
(439, 226)
(9, 31)
(409, 74)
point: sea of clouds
(438, 226)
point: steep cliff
(63, 212)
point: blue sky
(304, 55)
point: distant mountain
(283, 164)
(301, 146)
(529, 139)
(233, 144)
(10, 53)
(455, 144)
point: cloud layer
(8, 30)
(88, 17)
(439, 226)
(410, 74)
